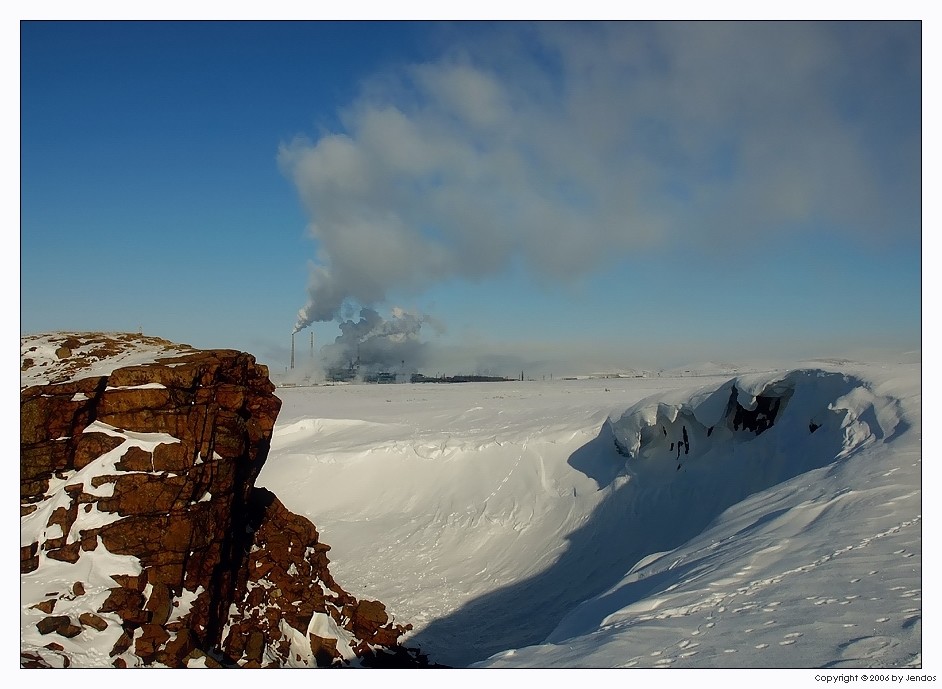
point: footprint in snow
(761, 646)
(688, 654)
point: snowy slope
(820, 569)
(500, 520)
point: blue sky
(554, 196)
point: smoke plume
(377, 344)
(563, 147)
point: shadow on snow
(647, 510)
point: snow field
(500, 521)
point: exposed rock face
(757, 420)
(145, 478)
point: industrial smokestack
(312, 346)
(292, 351)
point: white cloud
(567, 145)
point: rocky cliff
(144, 540)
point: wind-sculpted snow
(752, 527)
(544, 525)
(810, 409)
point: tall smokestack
(292, 350)
(312, 346)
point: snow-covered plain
(502, 521)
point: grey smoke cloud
(380, 344)
(566, 146)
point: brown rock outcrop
(158, 462)
(287, 582)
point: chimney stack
(292, 351)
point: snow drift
(707, 476)
(542, 525)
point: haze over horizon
(477, 196)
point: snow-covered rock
(144, 540)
